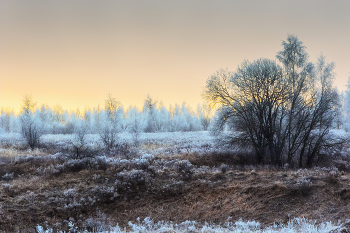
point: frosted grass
(166, 143)
(295, 225)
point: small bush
(76, 165)
(223, 168)
(100, 223)
(8, 189)
(7, 177)
(109, 135)
(147, 156)
(133, 177)
(31, 129)
(143, 164)
(304, 186)
(100, 163)
(104, 193)
(78, 148)
(184, 167)
(79, 151)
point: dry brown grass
(262, 194)
(14, 153)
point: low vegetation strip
(147, 225)
(59, 193)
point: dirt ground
(266, 195)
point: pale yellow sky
(76, 52)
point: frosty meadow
(268, 152)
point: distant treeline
(153, 117)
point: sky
(75, 53)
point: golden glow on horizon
(74, 53)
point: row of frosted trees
(154, 117)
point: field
(170, 182)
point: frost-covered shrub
(9, 189)
(31, 129)
(128, 164)
(184, 167)
(124, 164)
(50, 170)
(104, 193)
(100, 163)
(70, 193)
(30, 196)
(223, 168)
(41, 229)
(133, 177)
(125, 149)
(12, 140)
(147, 156)
(109, 130)
(72, 199)
(78, 146)
(7, 177)
(142, 164)
(6, 187)
(100, 223)
(76, 165)
(79, 151)
(151, 169)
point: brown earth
(267, 195)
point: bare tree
(108, 132)
(31, 126)
(79, 148)
(204, 113)
(283, 113)
(110, 123)
(5, 118)
(251, 102)
(29, 105)
(151, 111)
(136, 125)
(112, 107)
